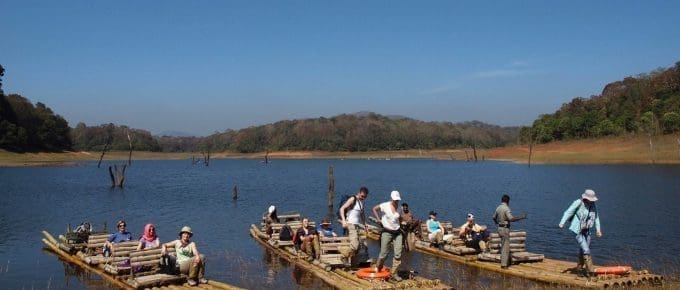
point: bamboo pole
(323, 275)
(331, 192)
(69, 258)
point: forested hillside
(648, 103)
(96, 137)
(360, 132)
(25, 127)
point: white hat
(395, 195)
(470, 216)
(271, 209)
(589, 194)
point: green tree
(671, 122)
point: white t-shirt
(390, 218)
(354, 213)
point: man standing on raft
(502, 217)
(353, 218)
(391, 233)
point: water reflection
(77, 277)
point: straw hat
(186, 229)
(589, 194)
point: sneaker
(192, 282)
(203, 281)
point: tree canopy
(647, 103)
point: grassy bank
(612, 150)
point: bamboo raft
(551, 271)
(339, 277)
(73, 254)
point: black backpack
(286, 233)
(343, 200)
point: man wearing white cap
(391, 232)
(473, 234)
(583, 216)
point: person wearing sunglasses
(121, 235)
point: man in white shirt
(391, 232)
(353, 218)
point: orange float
(616, 270)
(370, 273)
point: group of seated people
(307, 237)
(474, 235)
(187, 259)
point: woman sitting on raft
(149, 239)
(190, 261)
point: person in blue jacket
(584, 218)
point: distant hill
(363, 131)
(648, 103)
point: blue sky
(206, 66)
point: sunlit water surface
(638, 207)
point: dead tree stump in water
(206, 158)
(331, 191)
(117, 175)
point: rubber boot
(394, 272)
(588, 265)
(580, 266)
(379, 265)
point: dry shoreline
(612, 150)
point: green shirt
(184, 253)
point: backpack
(286, 233)
(343, 200)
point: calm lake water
(638, 207)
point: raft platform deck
(551, 271)
(339, 277)
(149, 280)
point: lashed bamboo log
(70, 259)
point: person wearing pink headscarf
(149, 239)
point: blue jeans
(583, 240)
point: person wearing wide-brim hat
(584, 217)
(189, 260)
(325, 229)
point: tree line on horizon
(648, 103)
